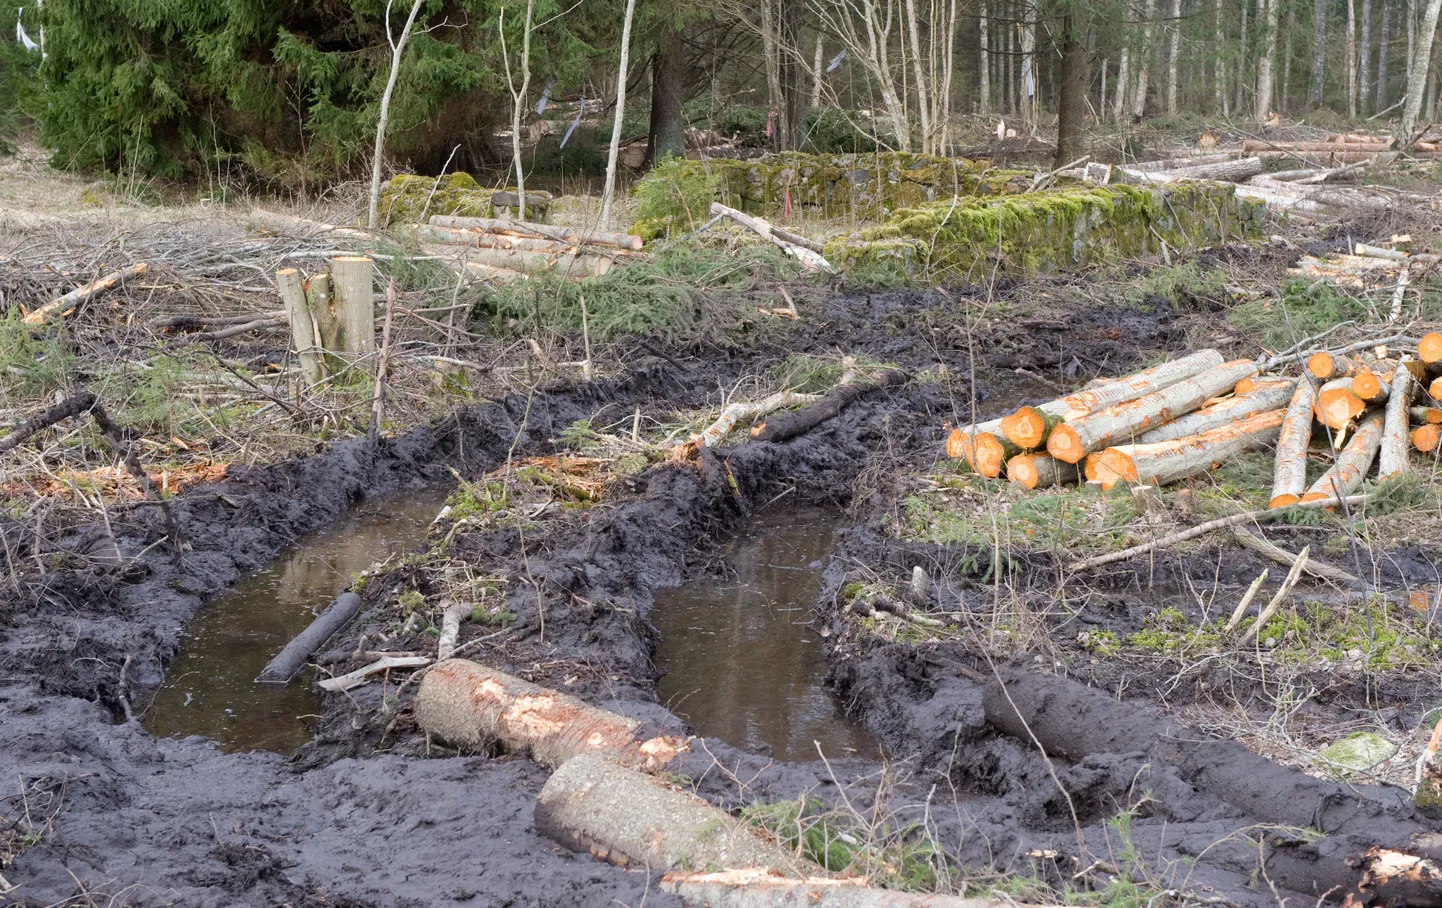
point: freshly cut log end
(1091, 465)
(1064, 444)
(1427, 416)
(958, 445)
(1163, 462)
(1039, 471)
(1429, 348)
(1245, 386)
(1337, 406)
(1028, 427)
(1327, 366)
(990, 454)
(1371, 386)
(1434, 390)
(1282, 501)
(1427, 438)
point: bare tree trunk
(518, 99)
(1219, 72)
(1071, 105)
(1287, 57)
(983, 88)
(1264, 60)
(398, 48)
(1352, 59)
(1418, 74)
(1172, 59)
(1364, 75)
(668, 78)
(913, 29)
(792, 74)
(948, 75)
(1144, 61)
(1243, 41)
(1319, 51)
(816, 73)
(1028, 71)
(772, 54)
(1124, 75)
(1384, 47)
(609, 192)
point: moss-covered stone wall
(970, 239)
(405, 197)
(867, 186)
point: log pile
(1188, 416)
(493, 247)
(1370, 267)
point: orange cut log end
(1064, 445)
(1026, 428)
(1336, 407)
(1091, 465)
(1022, 470)
(1245, 386)
(1281, 501)
(958, 445)
(1367, 384)
(1435, 389)
(1429, 348)
(1115, 467)
(1322, 365)
(1426, 438)
(988, 455)
(1315, 496)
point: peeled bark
(471, 706)
(1164, 462)
(1289, 480)
(1353, 463)
(1040, 471)
(1263, 397)
(1392, 458)
(591, 804)
(1429, 348)
(1337, 405)
(1073, 440)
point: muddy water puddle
(742, 661)
(209, 690)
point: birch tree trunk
(983, 76)
(518, 100)
(816, 75)
(398, 48)
(1319, 51)
(913, 28)
(1352, 59)
(1030, 109)
(1417, 76)
(1124, 75)
(1364, 74)
(608, 193)
(1219, 73)
(1243, 38)
(772, 55)
(1384, 44)
(1264, 61)
(1172, 58)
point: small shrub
(1302, 312)
(675, 197)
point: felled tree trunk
(789, 425)
(1073, 440)
(481, 240)
(1427, 439)
(1434, 390)
(1352, 464)
(1427, 416)
(1372, 385)
(1336, 405)
(1392, 456)
(1429, 348)
(1164, 462)
(1289, 480)
(1327, 366)
(568, 235)
(472, 706)
(1040, 471)
(1262, 397)
(756, 888)
(63, 304)
(964, 443)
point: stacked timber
(1369, 266)
(1189, 416)
(497, 247)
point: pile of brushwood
(1355, 407)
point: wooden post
(354, 283)
(302, 329)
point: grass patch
(1185, 286)
(30, 363)
(1303, 311)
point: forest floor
(563, 564)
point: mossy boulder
(406, 197)
(1356, 753)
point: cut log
(1119, 424)
(1142, 383)
(1257, 145)
(353, 282)
(1198, 160)
(63, 304)
(1040, 471)
(1028, 427)
(757, 888)
(547, 231)
(1289, 479)
(302, 328)
(1277, 200)
(990, 453)
(471, 706)
(805, 251)
(1336, 405)
(1163, 462)
(1427, 416)
(1234, 171)
(1427, 439)
(789, 425)
(1264, 396)
(591, 804)
(1378, 252)
(749, 410)
(1364, 829)
(1429, 348)
(290, 225)
(1353, 463)
(1392, 456)
(480, 239)
(1434, 390)
(1327, 366)
(1373, 384)
(569, 264)
(290, 660)
(1091, 465)
(1428, 796)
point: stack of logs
(1188, 416)
(1369, 265)
(492, 247)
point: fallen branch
(789, 425)
(289, 224)
(1266, 549)
(290, 660)
(61, 305)
(807, 252)
(362, 675)
(734, 413)
(761, 888)
(74, 405)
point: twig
(1282, 593)
(1267, 550)
(1240, 611)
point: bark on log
(546, 231)
(789, 425)
(74, 405)
(1427, 439)
(1427, 416)
(481, 240)
(1373, 384)
(757, 888)
(807, 252)
(490, 261)
(1262, 397)
(1336, 405)
(302, 328)
(591, 804)
(1219, 157)
(1392, 457)
(290, 660)
(1235, 171)
(471, 706)
(1289, 479)
(1257, 145)
(1327, 366)
(1353, 463)
(353, 282)
(1363, 836)
(1163, 462)
(1029, 427)
(1041, 471)
(57, 307)
(289, 224)
(752, 410)
(1072, 441)
(1277, 200)
(961, 441)
(1429, 348)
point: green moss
(406, 197)
(1356, 753)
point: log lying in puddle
(630, 818)
(469, 705)
(288, 663)
(1373, 849)
(756, 888)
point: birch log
(353, 282)
(302, 328)
(1040, 471)
(800, 248)
(1434, 390)
(568, 235)
(1427, 439)
(1263, 396)
(1427, 416)
(1353, 463)
(1327, 366)
(1289, 479)
(1336, 405)
(1392, 457)
(1163, 462)
(63, 304)
(758, 888)
(1373, 384)
(1073, 440)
